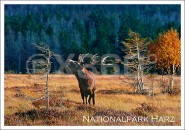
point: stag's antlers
(103, 61)
(93, 59)
(81, 57)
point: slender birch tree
(167, 49)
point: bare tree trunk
(173, 73)
(138, 83)
(169, 81)
(140, 73)
(47, 87)
(172, 80)
(47, 92)
(142, 80)
(162, 82)
(138, 69)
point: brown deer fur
(86, 81)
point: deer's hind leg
(86, 96)
(89, 100)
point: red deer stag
(86, 79)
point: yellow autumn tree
(167, 50)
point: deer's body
(86, 81)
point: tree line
(80, 28)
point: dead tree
(136, 60)
(42, 63)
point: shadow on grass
(115, 91)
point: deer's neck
(80, 75)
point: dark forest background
(80, 28)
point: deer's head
(75, 66)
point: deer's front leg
(86, 100)
(93, 97)
(82, 95)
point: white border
(92, 2)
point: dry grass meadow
(113, 98)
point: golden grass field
(113, 98)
